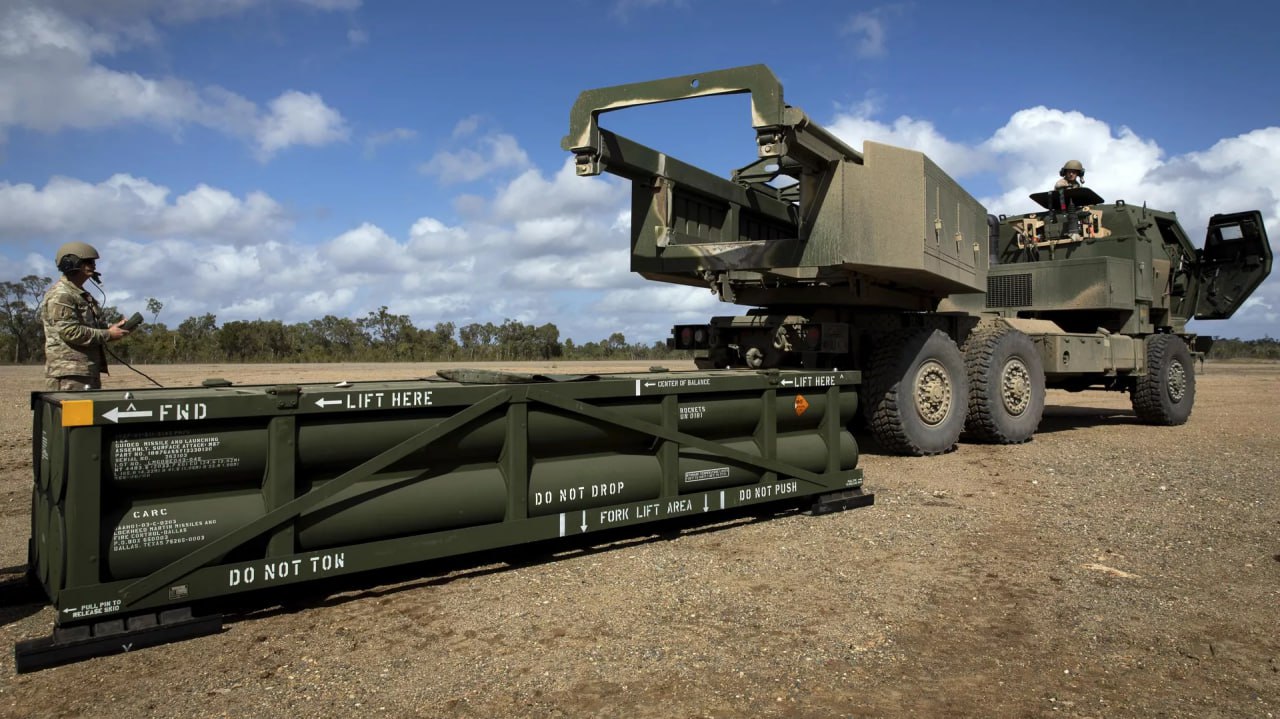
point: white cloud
(298, 119)
(957, 159)
(329, 302)
(430, 238)
(467, 126)
(32, 30)
(1236, 173)
(367, 248)
(869, 32)
(551, 233)
(689, 303)
(52, 77)
(127, 205)
(1033, 145)
(594, 270)
(250, 308)
(458, 275)
(376, 141)
(492, 153)
(531, 195)
(435, 306)
(646, 312)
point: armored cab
(1104, 291)
(1124, 269)
(878, 261)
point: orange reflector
(801, 404)
(77, 412)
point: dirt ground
(1106, 569)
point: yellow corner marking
(77, 412)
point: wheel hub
(1177, 381)
(1015, 386)
(933, 393)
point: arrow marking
(115, 415)
(322, 403)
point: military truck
(877, 260)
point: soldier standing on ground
(75, 339)
(1071, 175)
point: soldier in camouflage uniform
(74, 336)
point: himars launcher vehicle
(879, 281)
(878, 261)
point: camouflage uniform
(74, 345)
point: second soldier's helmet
(70, 255)
(1071, 165)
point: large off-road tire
(1165, 394)
(1006, 385)
(916, 392)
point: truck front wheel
(1006, 385)
(1165, 394)
(916, 393)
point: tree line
(1267, 348)
(379, 336)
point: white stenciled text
(274, 571)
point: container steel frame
(70, 459)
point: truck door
(1236, 259)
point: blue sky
(294, 158)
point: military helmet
(78, 250)
(1071, 165)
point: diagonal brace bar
(180, 568)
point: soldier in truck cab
(1071, 175)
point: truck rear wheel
(1006, 385)
(1165, 394)
(916, 393)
